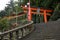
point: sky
(3, 4)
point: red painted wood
(45, 16)
(44, 12)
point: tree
(56, 13)
(3, 13)
(17, 6)
(4, 24)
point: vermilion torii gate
(30, 12)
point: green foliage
(56, 13)
(46, 3)
(18, 9)
(2, 13)
(43, 3)
(10, 9)
(4, 24)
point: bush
(4, 24)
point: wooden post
(29, 16)
(45, 16)
(29, 12)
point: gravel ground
(48, 31)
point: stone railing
(17, 33)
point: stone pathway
(48, 31)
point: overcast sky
(3, 4)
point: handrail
(23, 28)
(12, 17)
(15, 28)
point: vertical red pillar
(45, 16)
(29, 12)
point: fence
(17, 33)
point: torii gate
(30, 12)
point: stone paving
(45, 31)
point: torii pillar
(29, 11)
